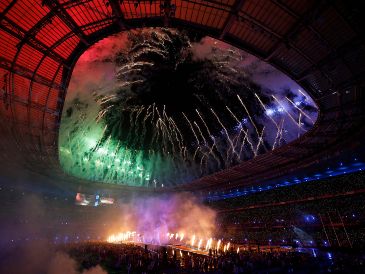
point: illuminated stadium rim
(156, 22)
(179, 24)
(313, 78)
(341, 169)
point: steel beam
(306, 19)
(117, 13)
(13, 29)
(5, 11)
(237, 6)
(67, 19)
(26, 73)
(32, 105)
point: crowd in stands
(130, 258)
(280, 215)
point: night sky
(161, 107)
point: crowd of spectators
(130, 258)
(329, 212)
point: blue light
(314, 253)
(309, 218)
(350, 168)
(329, 255)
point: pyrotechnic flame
(209, 244)
(193, 240)
(122, 237)
(200, 243)
(218, 244)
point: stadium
(182, 136)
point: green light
(84, 153)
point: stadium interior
(182, 136)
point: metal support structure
(338, 53)
(289, 157)
(5, 11)
(15, 30)
(237, 6)
(67, 19)
(5, 91)
(117, 13)
(26, 73)
(39, 25)
(344, 228)
(324, 228)
(304, 20)
(33, 105)
(334, 230)
(167, 11)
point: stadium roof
(319, 44)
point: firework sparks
(143, 134)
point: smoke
(41, 257)
(61, 263)
(95, 270)
(33, 224)
(27, 230)
(154, 217)
(96, 68)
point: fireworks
(172, 117)
(192, 240)
(200, 243)
(129, 236)
(218, 245)
(205, 244)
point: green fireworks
(86, 153)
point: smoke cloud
(26, 242)
(30, 227)
(154, 217)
